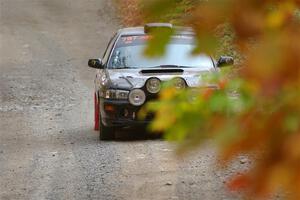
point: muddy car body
(126, 79)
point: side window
(108, 49)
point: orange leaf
(239, 182)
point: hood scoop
(162, 71)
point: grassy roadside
(129, 12)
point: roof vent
(152, 26)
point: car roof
(140, 30)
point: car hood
(136, 78)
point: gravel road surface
(48, 149)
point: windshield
(129, 53)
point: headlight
(116, 94)
(137, 97)
(179, 83)
(153, 85)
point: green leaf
(157, 44)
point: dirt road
(48, 149)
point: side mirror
(95, 63)
(225, 61)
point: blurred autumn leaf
(157, 43)
(255, 111)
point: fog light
(153, 85)
(137, 97)
(179, 83)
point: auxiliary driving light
(179, 83)
(137, 97)
(153, 85)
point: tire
(96, 113)
(105, 133)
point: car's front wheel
(96, 112)
(105, 133)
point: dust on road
(48, 149)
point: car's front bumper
(120, 113)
